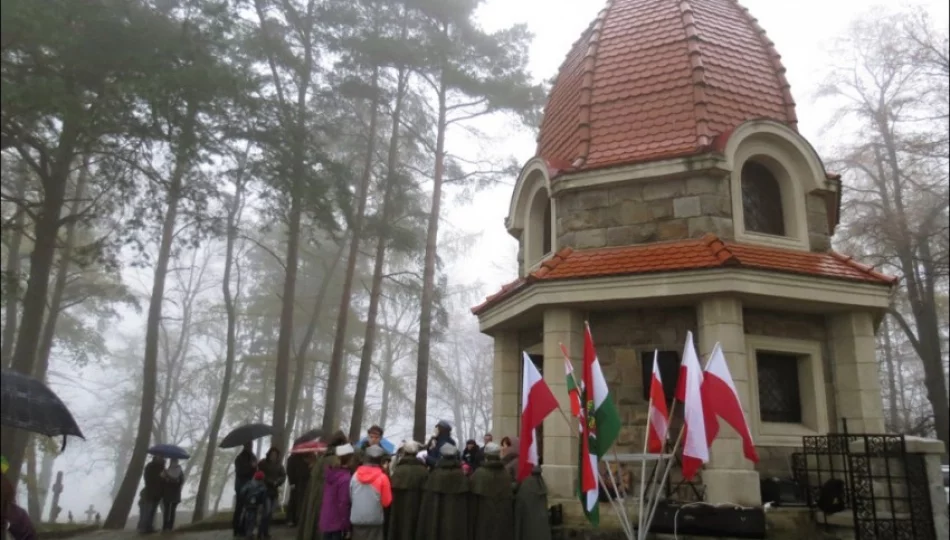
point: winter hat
(411, 447)
(259, 475)
(375, 452)
(449, 450)
(344, 450)
(492, 449)
(444, 424)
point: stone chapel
(671, 192)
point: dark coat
(244, 466)
(473, 457)
(434, 453)
(171, 489)
(493, 505)
(531, 509)
(510, 461)
(408, 480)
(446, 504)
(274, 476)
(308, 528)
(153, 480)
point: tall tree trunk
(230, 351)
(32, 493)
(46, 236)
(224, 483)
(119, 513)
(387, 385)
(281, 380)
(62, 275)
(428, 275)
(369, 339)
(11, 276)
(46, 477)
(335, 383)
(300, 370)
(892, 388)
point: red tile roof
(707, 252)
(655, 79)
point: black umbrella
(169, 451)
(245, 434)
(311, 435)
(28, 404)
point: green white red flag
(600, 428)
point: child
(370, 494)
(254, 495)
(335, 507)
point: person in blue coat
(442, 436)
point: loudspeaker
(707, 520)
(781, 492)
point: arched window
(539, 239)
(762, 200)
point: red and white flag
(721, 400)
(659, 417)
(695, 449)
(537, 401)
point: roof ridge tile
(866, 268)
(720, 250)
(587, 88)
(776, 59)
(698, 74)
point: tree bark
(12, 277)
(119, 513)
(230, 350)
(335, 381)
(428, 276)
(46, 234)
(300, 360)
(369, 339)
(32, 493)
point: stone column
(560, 442)
(729, 477)
(857, 387)
(506, 410)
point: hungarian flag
(599, 431)
(537, 401)
(695, 449)
(659, 417)
(720, 400)
(573, 392)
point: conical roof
(657, 79)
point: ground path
(279, 532)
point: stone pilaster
(856, 383)
(729, 477)
(560, 443)
(506, 410)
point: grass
(63, 530)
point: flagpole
(621, 511)
(669, 464)
(643, 461)
(613, 503)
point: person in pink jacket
(335, 507)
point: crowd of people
(421, 492)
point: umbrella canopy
(308, 447)
(245, 434)
(169, 451)
(311, 435)
(28, 404)
(389, 447)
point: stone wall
(804, 326)
(819, 234)
(620, 337)
(644, 212)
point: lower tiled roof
(706, 252)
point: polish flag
(537, 401)
(722, 401)
(695, 450)
(659, 417)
